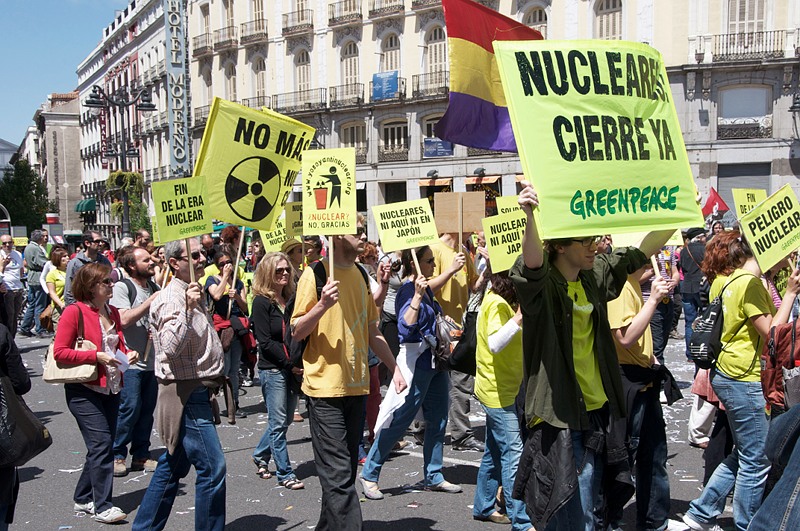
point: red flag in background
(715, 206)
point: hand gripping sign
(598, 135)
(773, 227)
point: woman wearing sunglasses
(94, 404)
(273, 286)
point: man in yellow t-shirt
(629, 317)
(341, 327)
(454, 277)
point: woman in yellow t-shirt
(748, 315)
(55, 282)
(497, 380)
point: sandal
(292, 484)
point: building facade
(30, 149)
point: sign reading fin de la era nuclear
(773, 227)
(181, 210)
(503, 235)
(746, 199)
(273, 240)
(598, 136)
(250, 159)
(329, 191)
(405, 225)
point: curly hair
(726, 252)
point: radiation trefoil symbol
(252, 188)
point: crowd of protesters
(567, 365)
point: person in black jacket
(273, 286)
(11, 366)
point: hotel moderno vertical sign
(177, 89)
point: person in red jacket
(95, 404)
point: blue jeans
(430, 390)
(747, 467)
(578, 513)
(232, 360)
(280, 399)
(691, 307)
(37, 300)
(499, 467)
(660, 326)
(135, 420)
(199, 446)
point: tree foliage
(24, 195)
(134, 184)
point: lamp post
(122, 98)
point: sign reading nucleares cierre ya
(598, 133)
(329, 191)
(405, 225)
(773, 227)
(504, 238)
(181, 210)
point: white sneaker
(109, 516)
(87, 507)
(694, 525)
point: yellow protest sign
(20, 241)
(773, 227)
(250, 159)
(329, 191)
(507, 204)
(598, 136)
(181, 210)
(154, 236)
(504, 238)
(294, 219)
(746, 199)
(405, 225)
(273, 240)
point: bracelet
(415, 309)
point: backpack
(778, 370)
(705, 346)
(295, 349)
(132, 288)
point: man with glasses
(11, 274)
(92, 244)
(35, 258)
(572, 381)
(188, 367)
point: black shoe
(470, 444)
(25, 333)
(44, 334)
(240, 414)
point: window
(209, 92)
(390, 58)
(302, 70)
(300, 5)
(204, 21)
(228, 6)
(230, 82)
(354, 135)
(258, 9)
(536, 18)
(428, 125)
(746, 16)
(745, 112)
(608, 19)
(395, 135)
(350, 64)
(260, 72)
(435, 51)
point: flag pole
(235, 271)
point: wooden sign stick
(235, 272)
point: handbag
(447, 334)
(780, 375)
(46, 318)
(22, 434)
(56, 372)
(463, 357)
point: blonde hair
(264, 277)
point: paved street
(48, 481)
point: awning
(481, 180)
(86, 205)
(447, 181)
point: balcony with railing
(201, 115)
(345, 13)
(752, 45)
(361, 154)
(257, 103)
(399, 95)
(254, 32)
(300, 101)
(393, 153)
(422, 5)
(744, 128)
(163, 122)
(297, 22)
(379, 9)
(347, 95)
(161, 68)
(202, 45)
(226, 38)
(431, 85)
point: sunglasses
(589, 240)
(195, 256)
(283, 270)
(221, 264)
(360, 231)
(98, 241)
(8, 243)
(107, 281)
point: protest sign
(329, 191)
(746, 199)
(598, 136)
(773, 227)
(294, 219)
(504, 238)
(20, 241)
(250, 159)
(507, 204)
(273, 240)
(181, 210)
(405, 225)
(156, 239)
(446, 211)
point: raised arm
(532, 248)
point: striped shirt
(185, 343)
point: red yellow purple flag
(477, 115)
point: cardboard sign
(598, 136)
(294, 219)
(504, 238)
(507, 204)
(273, 240)
(746, 199)
(773, 227)
(329, 191)
(473, 210)
(250, 159)
(405, 225)
(181, 210)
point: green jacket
(35, 258)
(552, 392)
